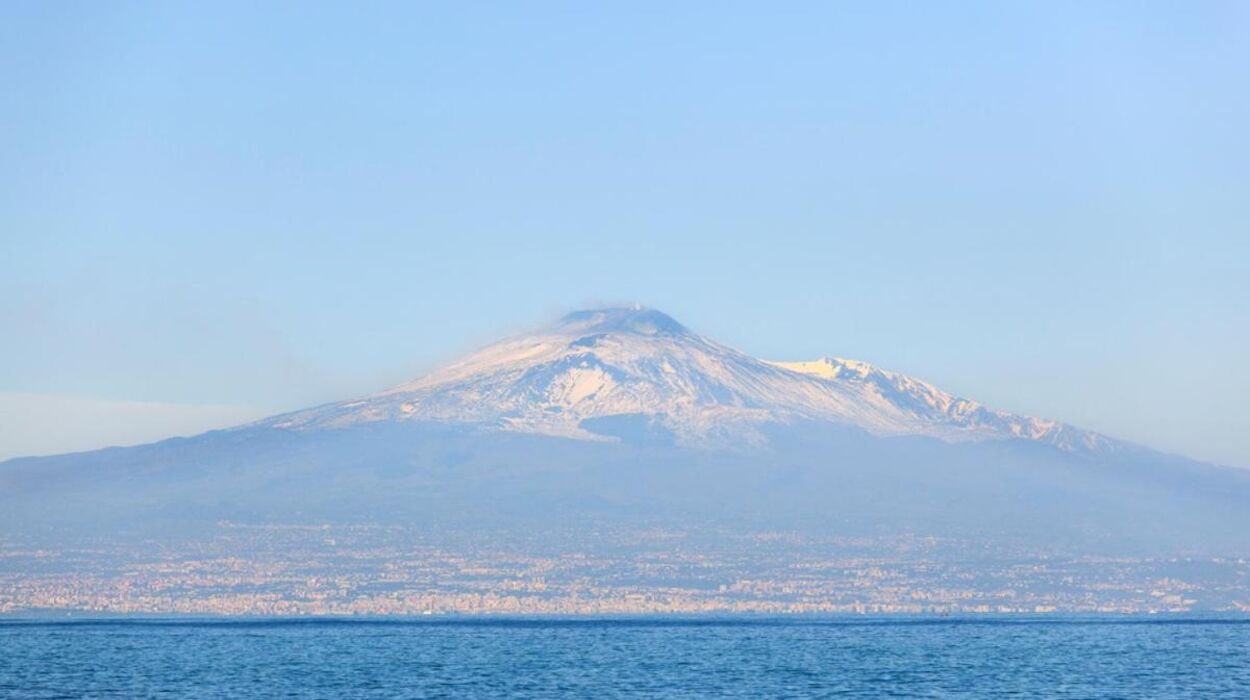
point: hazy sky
(212, 212)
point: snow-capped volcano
(591, 371)
(623, 420)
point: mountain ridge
(636, 363)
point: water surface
(649, 658)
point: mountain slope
(637, 373)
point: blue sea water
(648, 658)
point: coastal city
(374, 570)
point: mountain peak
(636, 319)
(633, 363)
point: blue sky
(212, 212)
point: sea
(626, 658)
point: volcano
(626, 415)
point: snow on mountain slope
(590, 367)
(947, 416)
